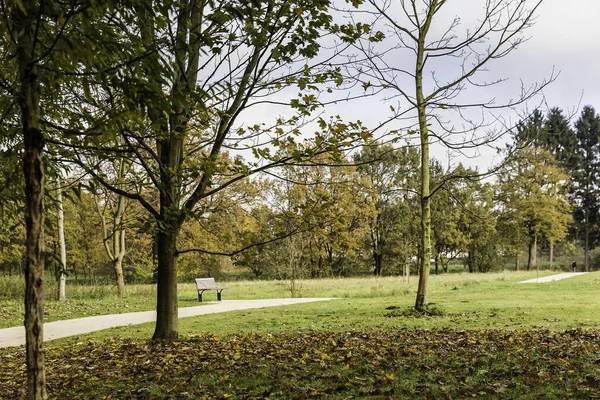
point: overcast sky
(566, 35)
(566, 38)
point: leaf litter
(419, 364)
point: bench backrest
(206, 283)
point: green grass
(492, 300)
(467, 301)
(490, 338)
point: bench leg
(218, 295)
(200, 296)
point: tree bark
(119, 242)
(422, 301)
(167, 328)
(517, 261)
(25, 22)
(118, 268)
(551, 254)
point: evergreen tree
(586, 178)
(560, 139)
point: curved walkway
(59, 329)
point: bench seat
(203, 284)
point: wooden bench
(203, 284)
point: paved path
(554, 277)
(54, 330)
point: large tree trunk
(34, 264)
(167, 328)
(25, 18)
(62, 273)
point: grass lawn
(488, 337)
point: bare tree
(455, 59)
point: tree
(478, 223)
(115, 207)
(449, 240)
(20, 26)
(192, 69)
(586, 178)
(392, 184)
(334, 209)
(33, 51)
(534, 193)
(419, 27)
(83, 235)
(561, 140)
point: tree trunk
(25, 22)
(378, 258)
(422, 299)
(116, 248)
(587, 240)
(119, 246)
(167, 328)
(62, 272)
(118, 268)
(471, 261)
(517, 261)
(532, 256)
(34, 265)
(551, 254)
